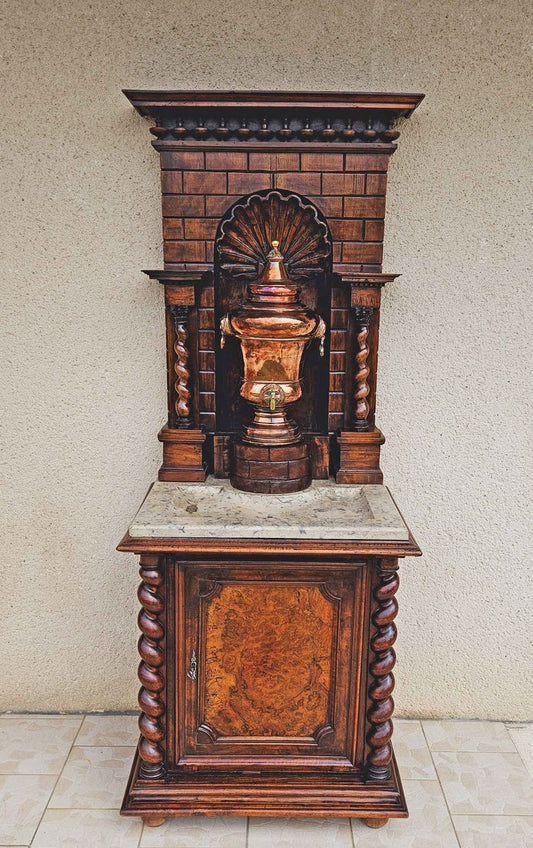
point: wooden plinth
(271, 470)
(278, 794)
(359, 457)
(182, 456)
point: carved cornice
(273, 118)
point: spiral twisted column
(363, 315)
(151, 668)
(382, 680)
(182, 404)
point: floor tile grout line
(441, 788)
(55, 784)
(495, 815)
(352, 834)
(142, 831)
(465, 750)
(84, 810)
(82, 722)
(518, 751)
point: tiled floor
(468, 785)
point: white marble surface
(215, 509)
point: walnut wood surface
(151, 669)
(266, 673)
(381, 666)
(182, 404)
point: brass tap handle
(272, 403)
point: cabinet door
(272, 665)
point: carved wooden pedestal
(266, 672)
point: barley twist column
(363, 315)
(382, 679)
(182, 404)
(151, 668)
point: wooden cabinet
(266, 672)
(268, 661)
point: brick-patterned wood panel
(204, 182)
(362, 252)
(343, 183)
(366, 162)
(200, 228)
(189, 160)
(217, 205)
(376, 184)
(374, 230)
(322, 161)
(176, 205)
(206, 358)
(226, 161)
(301, 183)
(195, 199)
(172, 182)
(346, 230)
(273, 162)
(337, 358)
(364, 207)
(172, 228)
(330, 206)
(184, 251)
(247, 182)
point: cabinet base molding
(188, 794)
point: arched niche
(244, 238)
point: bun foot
(154, 821)
(375, 822)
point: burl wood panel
(268, 663)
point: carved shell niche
(246, 233)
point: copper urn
(273, 328)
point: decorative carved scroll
(151, 669)
(382, 685)
(182, 404)
(362, 389)
(246, 234)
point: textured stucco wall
(83, 362)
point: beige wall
(83, 372)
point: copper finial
(274, 270)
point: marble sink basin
(216, 510)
